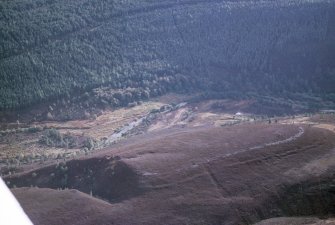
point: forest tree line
(52, 49)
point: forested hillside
(51, 49)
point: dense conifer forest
(121, 50)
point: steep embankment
(107, 178)
(186, 180)
(54, 48)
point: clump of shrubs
(60, 175)
(34, 129)
(89, 144)
(53, 138)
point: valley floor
(169, 161)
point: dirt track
(203, 176)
